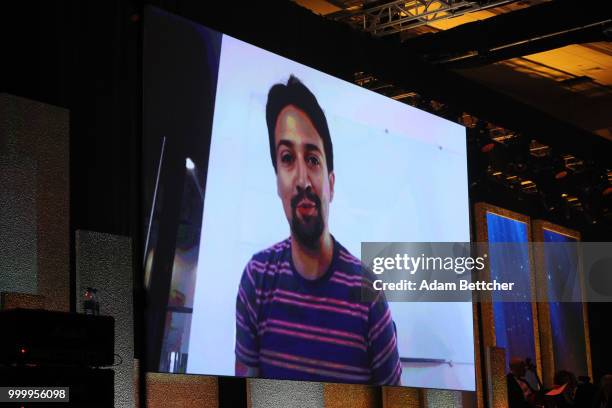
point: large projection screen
(400, 175)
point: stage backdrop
(513, 320)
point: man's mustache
(306, 194)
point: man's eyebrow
(309, 147)
(312, 147)
(284, 142)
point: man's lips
(306, 208)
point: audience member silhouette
(520, 394)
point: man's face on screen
(303, 182)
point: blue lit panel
(566, 318)
(513, 320)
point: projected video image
(300, 169)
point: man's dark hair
(297, 94)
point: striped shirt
(292, 328)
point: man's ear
(332, 180)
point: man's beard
(309, 229)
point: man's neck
(312, 263)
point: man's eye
(313, 160)
(286, 158)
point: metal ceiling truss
(399, 15)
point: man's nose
(303, 178)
